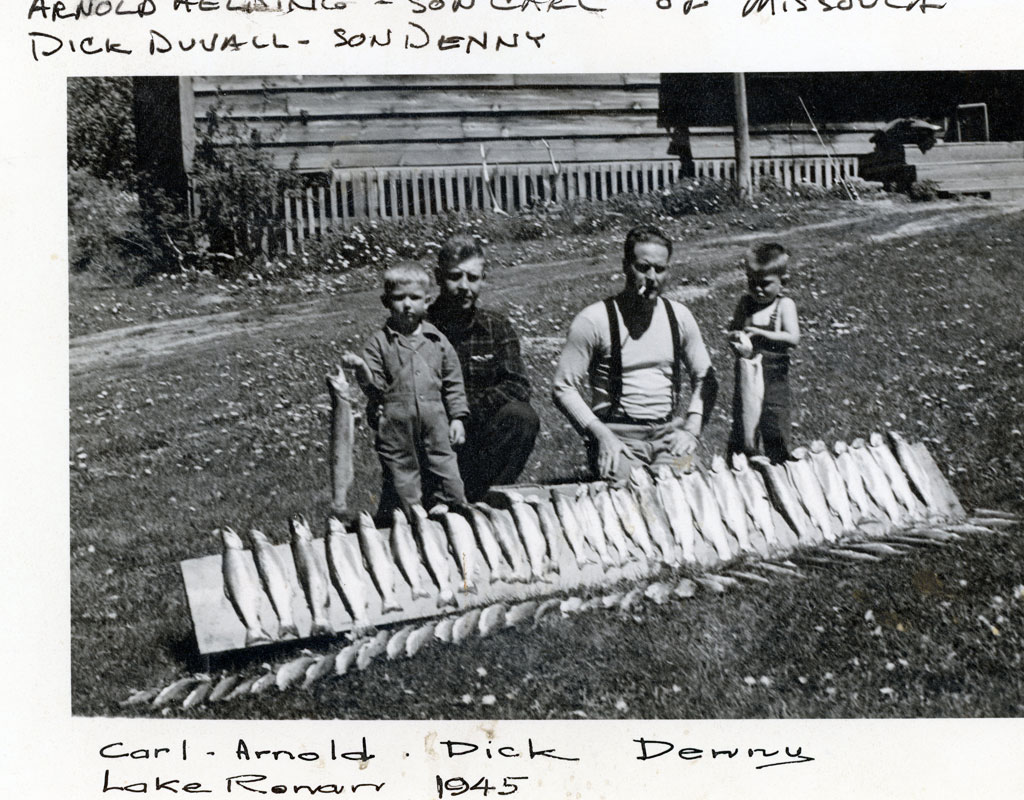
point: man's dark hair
(457, 249)
(643, 234)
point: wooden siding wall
(352, 121)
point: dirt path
(716, 255)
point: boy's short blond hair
(770, 258)
(405, 274)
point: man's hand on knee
(610, 450)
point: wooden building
(415, 145)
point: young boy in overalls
(417, 401)
(769, 319)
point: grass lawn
(912, 319)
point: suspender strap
(673, 326)
(614, 358)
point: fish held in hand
(312, 575)
(242, 588)
(351, 580)
(750, 385)
(275, 581)
(342, 438)
(375, 549)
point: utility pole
(741, 135)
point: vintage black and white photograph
(578, 396)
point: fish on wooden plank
(550, 527)
(759, 508)
(377, 554)
(658, 527)
(854, 482)
(623, 523)
(488, 543)
(750, 385)
(504, 527)
(403, 544)
(566, 511)
(677, 509)
(345, 565)
(462, 542)
(593, 528)
(919, 479)
(876, 482)
(730, 501)
(916, 510)
(782, 490)
(706, 514)
(810, 494)
(312, 575)
(832, 484)
(435, 550)
(342, 439)
(242, 588)
(275, 582)
(528, 527)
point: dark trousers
(497, 447)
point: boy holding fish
(417, 401)
(763, 331)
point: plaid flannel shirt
(488, 350)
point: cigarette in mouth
(642, 290)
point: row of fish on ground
(554, 537)
(308, 669)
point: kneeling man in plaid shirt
(502, 425)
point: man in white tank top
(632, 351)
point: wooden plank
(333, 190)
(299, 222)
(318, 158)
(289, 243)
(205, 84)
(965, 151)
(310, 212)
(458, 129)
(322, 201)
(407, 102)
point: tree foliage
(100, 127)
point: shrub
(923, 191)
(101, 128)
(697, 196)
(105, 231)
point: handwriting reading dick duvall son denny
(421, 30)
(484, 767)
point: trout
(755, 500)
(242, 588)
(371, 649)
(566, 511)
(177, 690)
(491, 619)
(342, 438)
(396, 644)
(463, 543)
(374, 548)
(486, 538)
(593, 529)
(876, 482)
(404, 546)
(809, 492)
(443, 630)
(465, 626)
(223, 688)
(345, 562)
(897, 479)
(312, 575)
(917, 474)
(520, 612)
(347, 656)
(705, 513)
(321, 667)
(621, 518)
(504, 527)
(528, 525)
(734, 511)
(855, 489)
(782, 490)
(832, 484)
(271, 572)
(435, 548)
(550, 527)
(419, 638)
(290, 672)
(653, 514)
(750, 384)
(680, 520)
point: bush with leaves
(698, 196)
(101, 128)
